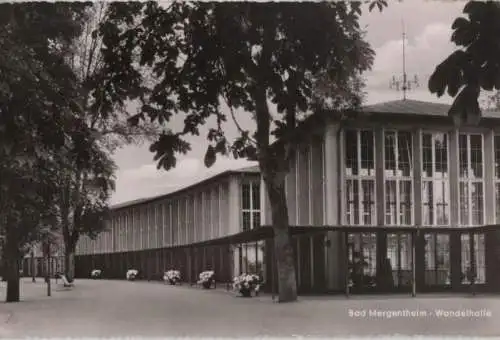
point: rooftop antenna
(402, 83)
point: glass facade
(435, 179)
(437, 259)
(360, 177)
(250, 205)
(471, 177)
(398, 173)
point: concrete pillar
(334, 252)
(234, 205)
(453, 165)
(489, 188)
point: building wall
(203, 213)
(316, 184)
(318, 192)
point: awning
(266, 232)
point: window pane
(477, 203)
(256, 220)
(246, 221)
(497, 157)
(465, 265)
(464, 203)
(480, 261)
(405, 198)
(441, 155)
(352, 202)
(367, 153)
(351, 153)
(428, 203)
(368, 201)
(404, 154)
(427, 155)
(389, 155)
(476, 155)
(463, 162)
(442, 199)
(255, 196)
(390, 202)
(245, 196)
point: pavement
(102, 308)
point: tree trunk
(69, 264)
(284, 254)
(33, 267)
(12, 270)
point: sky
(428, 31)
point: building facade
(404, 195)
(172, 231)
(396, 198)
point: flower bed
(172, 277)
(207, 278)
(245, 284)
(132, 274)
(96, 274)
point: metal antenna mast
(402, 83)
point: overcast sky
(428, 29)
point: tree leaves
(210, 156)
(475, 65)
(200, 53)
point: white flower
(172, 275)
(132, 273)
(247, 281)
(206, 276)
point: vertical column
(234, 205)
(381, 248)
(334, 253)
(455, 241)
(417, 269)
(417, 177)
(453, 164)
(489, 187)
(265, 205)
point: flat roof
(244, 170)
(417, 107)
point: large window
(479, 267)
(497, 178)
(398, 172)
(360, 177)
(250, 198)
(471, 189)
(437, 259)
(435, 179)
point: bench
(65, 281)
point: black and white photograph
(199, 169)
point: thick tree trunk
(12, 271)
(69, 264)
(284, 254)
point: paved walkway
(151, 309)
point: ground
(152, 309)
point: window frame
(399, 179)
(433, 179)
(470, 181)
(358, 179)
(251, 210)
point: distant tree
(87, 170)
(194, 58)
(37, 91)
(474, 65)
